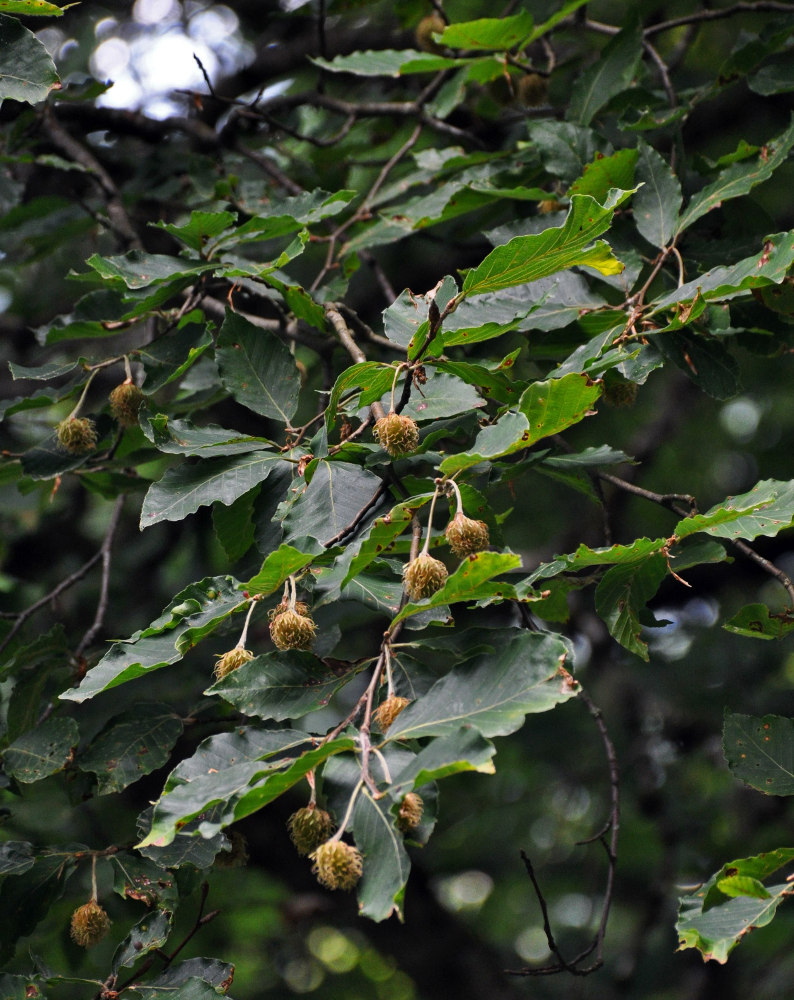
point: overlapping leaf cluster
(228, 308)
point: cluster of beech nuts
(78, 435)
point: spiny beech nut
(77, 435)
(388, 710)
(309, 827)
(410, 815)
(337, 865)
(549, 205)
(397, 434)
(620, 393)
(125, 401)
(465, 535)
(533, 89)
(292, 630)
(432, 24)
(90, 924)
(231, 660)
(423, 576)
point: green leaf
(234, 525)
(380, 536)
(130, 745)
(760, 751)
(492, 383)
(280, 686)
(142, 880)
(465, 749)
(371, 375)
(765, 510)
(185, 488)
(149, 933)
(169, 357)
(42, 751)
(658, 202)
(386, 864)
(24, 902)
(612, 73)
(471, 581)
(704, 360)
(757, 621)
(201, 227)
(491, 33)
(605, 173)
(328, 505)
(527, 258)
(492, 691)
(242, 789)
(739, 178)
(16, 857)
(209, 971)
(27, 73)
(743, 885)
(280, 564)
(714, 922)
(442, 396)
(34, 8)
(137, 269)
(181, 437)
(621, 597)
(546, 408)
(194, 613)
(388, 62)
(257, 369)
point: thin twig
(596, 946)
(102, 603)
(351, 528)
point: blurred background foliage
(470, 909)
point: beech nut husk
(410, 815)
(388, 710)
(77, 435)
(397, 434)
(465, 535)
(309, 827)
(292, 630)
(232, 660)
(337, 865)
(89, 924)
(125, 401)
(423, 576)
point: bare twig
(102, 603)
(612, 827)
(351, 528)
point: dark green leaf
(386, 864)
(169, 357)
(612, 73)
(658, 202)
(331, 501)
(137, 269)
(242, 788)
(257, 369)
(142, 880)
(16, 857)
(185, 488)
(149, 933)
(132, 744)
(181, 437)
(234, 525)
(192, 614)
(463, 750)
(24, 902)
(605, 173)
(42, 751)
(760, 751)
(621, 597)
(280, 686)
(492, 691)
(201, 227)
(739, 178)
(704, 360)
(27, 73)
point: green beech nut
(396, 434)
(292, 630)
(309, 827)
(410, 814)
(232, 660)
(337, 865)
(76, 435)
(125, 401)
(423, 576)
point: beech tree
(395, 433)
